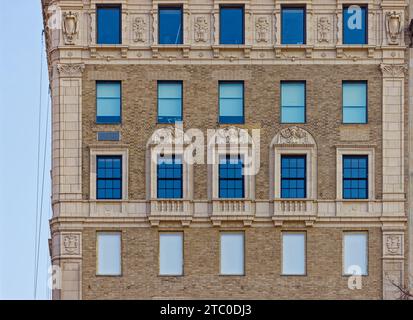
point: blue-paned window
(292, 102)
(293, 176)
(109, 25)
(355, 177)
(169, 101)
(169, 176)
(354, 25)
(354, 102)
(231, 25)
(109, 177)
(108, 102)
(170, 25)
(231, 178)
(231, 102)
(293, 25)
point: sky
(20, 65)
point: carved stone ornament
(393, 70)
(70, 244)
(70, 27)
(393, 245)
(393, 26)
(323, 29)
(71, 69)
(294, 135)
(201, 29)
(231, 135)
(168, 136)
(139, 28)
(262, 27)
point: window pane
(354, 25)
(109, 177)
(169, 102)
(170, 26)
(108, 102)
(293, 94)
(232, 253)
(171, 254)
(355, 177)
(293, 254)
(231, 102)
(293, 176)
(355, 253)
(231, 179)
(293, 25)
(232, 25)
(108, 25)
(354, 94)
(354, 115)
(169, 177)
(109, 253)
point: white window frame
(366, 233)
(94, 152)
(369, 152)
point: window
(108, 253)
(170, 25)
(355, 253)
(354, 102)
(232, 253)
(355, 177)
(171, 254)
(109, 25)
(108, 102)
(293, 253)
(354, 25)
(231, 178)
(293, 176)
(231, 102)
(169, 173)
(231, 25)
(109, 177)
(169, 101)
(293, 25)
(292, 102)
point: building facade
(229, 149)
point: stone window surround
(249, 180)
(117, 151)
(355, 151)
(311, 168)
(187, 172)
(345, 274)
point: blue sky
(20, 56)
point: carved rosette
(71, 70)
(393, 70)
(70, 244)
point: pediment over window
(293, 135)
(168, 135)
(231, 135)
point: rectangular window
(109, 23)
(354, 25)
(109, 177)
(170, 25)
(232, 253)
(231, 178)
(231, 25)
(355, 177)
(293, 176)
(169, 101)
(293, 102)
(293, 253)
(109, 254)
(231, 102)
(293, 25)
(354, 101)
(171, 254)
(355, 253)
(108, 102)
(169, 175)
